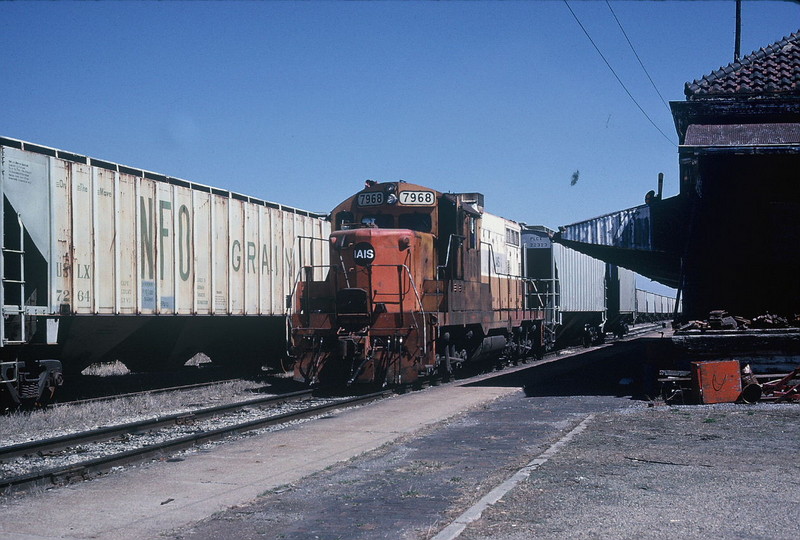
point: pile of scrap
(784, 389)
(722, 320)
(725, 381)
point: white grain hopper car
(652, 306)
(573, 285)
(582, 292)
(106, 262)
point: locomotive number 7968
(417, 198)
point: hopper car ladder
(546, 299)
(13, 313)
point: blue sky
(300, 102)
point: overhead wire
(608, 64)
(649, 78)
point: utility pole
(738, 44)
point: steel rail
(88, 468)
(150, 424)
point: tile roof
(772, 71)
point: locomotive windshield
(416, 221)
(381, 221)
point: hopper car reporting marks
(106, 262)
(418, 282)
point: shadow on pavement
(619, 369)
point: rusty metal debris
(752, 390)
(722, 320)
(682, 387)
(784, 389)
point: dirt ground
(721, 471)
(718, 471)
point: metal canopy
(634, 238)
(734, 135)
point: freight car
(653, 307)
(629, 305)
(418, 282)
(583, 297)
(101, 261)
(572, 287)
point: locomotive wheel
(445, 369)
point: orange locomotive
(419, 282)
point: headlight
(391, 199)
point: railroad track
(645, 328)
(166, 435)
(153, 391)
(66, 447)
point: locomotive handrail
(523, 279)
(312, 239)
(492, 266)
(449, 250)
(299, 278)
(494, 263)
(290, 298)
